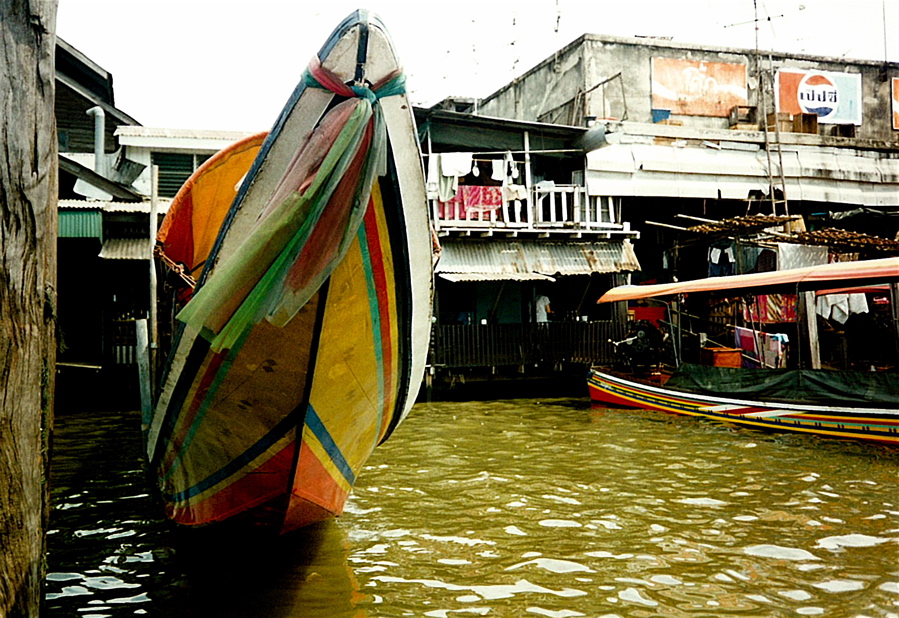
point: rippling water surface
(511, 508)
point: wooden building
(514, 223)
(104, 246)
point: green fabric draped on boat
(821, 386)
(305, 229)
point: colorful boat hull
(870, 424)
(293, 364)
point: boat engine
(642, 348)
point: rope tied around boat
(179, 269)
(317, 76)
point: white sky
(229, 65)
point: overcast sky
(227, 65)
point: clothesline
(474, 159)
(505, 152)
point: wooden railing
(546, 208)
(477, 345)
(123, 348)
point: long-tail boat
(859, 405)
(303, 344)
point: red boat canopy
(810, 278)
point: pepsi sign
(833, 97)
(818, 95)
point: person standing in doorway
(542, 309)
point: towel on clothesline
(515, 192)
(838, 307)
(433, 177)
(770, 349)
(498, 170)
(455, 163)
(471, 202)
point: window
(174, 169)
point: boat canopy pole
(894, 311)
(676, 341)
(809, 319)
(580, 305)
(755, 330)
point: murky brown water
(512, 508)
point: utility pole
(28, 230)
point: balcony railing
(483, 345)
(547, 207)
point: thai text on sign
(695, 88)
(835, 98)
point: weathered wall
(634, 62)
(545, 88)
(563, 88)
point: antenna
(757, 20)
(768, 75)
(883, 4)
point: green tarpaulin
(822, 387)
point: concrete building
(683, 132)
(514, 224)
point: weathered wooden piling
(28, 228)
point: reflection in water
(305, 574)
(505, 509)
(111, 553)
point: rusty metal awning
(733, 170)
(127, 249)
(454, 277)
(532, 260)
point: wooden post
(143, 372)
(531, 218)
(152, 307)
(808, 318)
(28, 229)
(894, 313)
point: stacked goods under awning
(790, 229)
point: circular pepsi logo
(818, 95)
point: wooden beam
(673, 227)
(28, 229)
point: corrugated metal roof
(127, 249)
(80, 205)
(454, 277)
(162, 205)
(136, 131)
(80, 224)
(515, 260)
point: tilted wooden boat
(838, 404)
(303, 345)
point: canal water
(504, 508)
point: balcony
(546, 209)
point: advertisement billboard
(836, 98)
(896, 103)
(695, 88)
